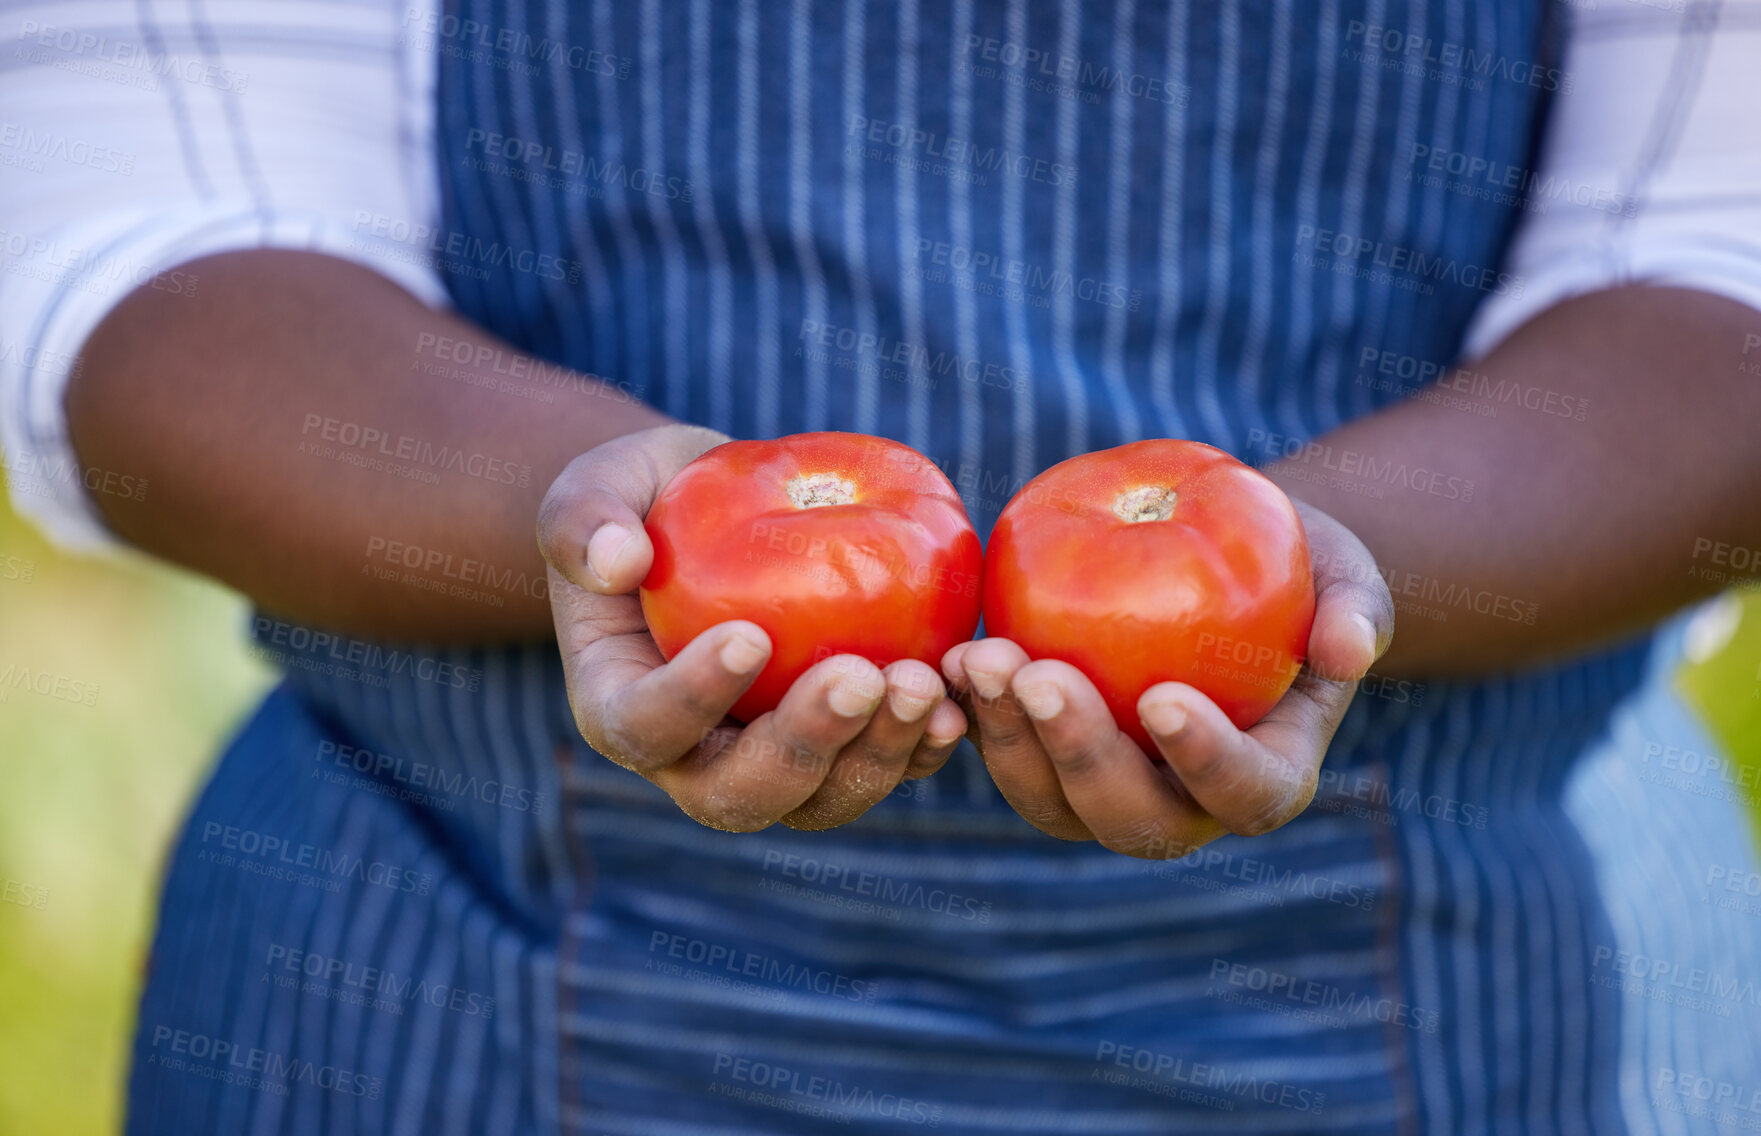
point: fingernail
(603, 548)
(1366, 633)
(986, 685)
(1164, 719)
(1042, 701)
(856, 699)
(908, 707)
(937, 735)
(741, 654)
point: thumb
(590, 524)
(1354, 612)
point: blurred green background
(92, 795)
(90, 800)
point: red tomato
(833, 543)
(1158, 561)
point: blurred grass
(92, 795)
(1724, 688)
(90, 799)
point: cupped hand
(1061, 761)
(846, 734)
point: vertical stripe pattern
(1005, 233)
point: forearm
(1577, 532)
(311, 437)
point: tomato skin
(895, 574)
(1219, 595)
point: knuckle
(927, 759)
(831, 807)
(1005, 732)
(1355, 593)
(798, 755)
(550, 547)
(1176, 848)
(861, 780)
(1251, 824)
(1304, 786)
(615, 743)
(877, 748)
(606, 728)
(1371, 597)
(727, 817)
(701, 706)
(1273, 814)
(588, 726)
(554, 542)
(570, 513)
(809, 818)
(713, 741)
(1074, 761)
(1257, 824)
(1154, 839)
(780, 760)
(721, 811)
(1201, 764)
(1054, 818)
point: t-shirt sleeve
(137, 138)
(1651, 164)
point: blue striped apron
(411, 900)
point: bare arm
(1590, 527)
(310, 436)
(1594, 529)
(247, 412)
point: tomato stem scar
(1145, 503)
(810, 490)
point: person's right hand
(844, 736)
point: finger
(951, 661)
(1250, 782)
(872, 765)
(590, 523)
(959, 689)
(1255, 781)
(1346, 638)
(581, 616)
(781, 759)
(644, 712)
(590, 533)
(947, 725)
(1354, 612)
(1130, 804)
(1007, 741)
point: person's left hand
(1058, 757)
